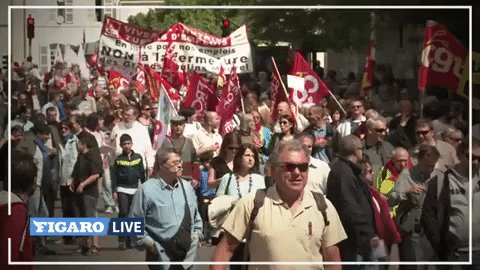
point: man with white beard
(139, 134)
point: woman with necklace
(242, 181)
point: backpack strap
(258, 202)
(321, 206)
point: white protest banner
(124, 45)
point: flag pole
(340, 105)
(162, 88)
(281, 81)
(243, 106)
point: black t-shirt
(87, 164)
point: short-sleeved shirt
(88, 164)
(278, 235)
(204, 139)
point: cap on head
(178, 119)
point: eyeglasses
(381, 130)
(323, 106)
(231, 148)
(423, 132)
(288, 166)
(284, 122)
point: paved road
(109, 252)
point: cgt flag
(443, 58)
(119, 81)
(315, 89)
(198, 94)
(229, 103)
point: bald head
(400, 158)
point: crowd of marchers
(362, 180)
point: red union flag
(117, 79)
(277, 92)
(139, 79)
(368, 72)
(229, 103)
(315, 89)
(170, 69)
(443, 58)
(197, 94)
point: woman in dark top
(287, 131)
(223, 163)
(146, 119)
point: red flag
(229, 103)
(278, 94)
(315, 89)
(152, 83)
(443, 58)
(369, 69)
(170, 69)
(198, 94)
(139, 79)
(119, 81)
(172, 93)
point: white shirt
(204, 139)
(140, 141)
(191, 129)
(48, 105)
(317, 175)
(345, 128)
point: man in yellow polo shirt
(288, 227)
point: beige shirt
(204, 139)
(317, 175)
(280, 236)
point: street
(108, 252)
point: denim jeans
(107, 188)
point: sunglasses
(459, 140)
(232, 148)
(284, 122)
(288, 166)
(423, 132)
(381, 130)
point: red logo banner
(197, 94)
(443, 58)
(315, 89)
(229, 103)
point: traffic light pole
(29, 47)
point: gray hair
(289, 146)
(348, 145)
(163, 155)
(371, 121)
(245, 120)
(371, 113)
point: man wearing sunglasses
(426, 135)
(288, 215)
(351, 196)
(448, 231)
(377, 149)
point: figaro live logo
(86, 226)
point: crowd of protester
(393, 173)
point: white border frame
(10, 8)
